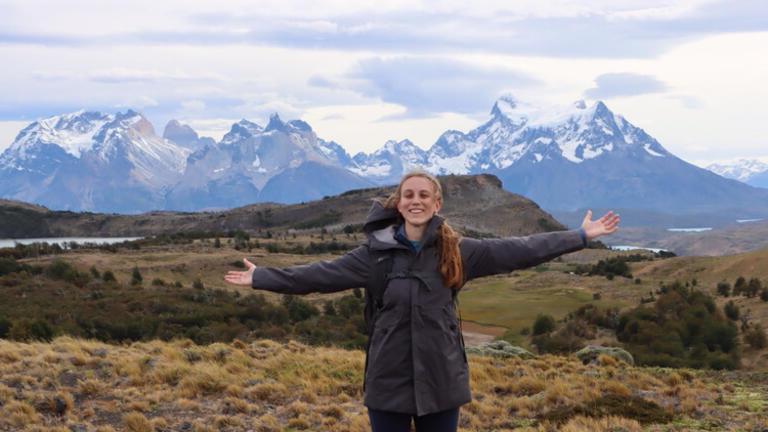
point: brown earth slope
(476, 203)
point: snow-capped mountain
(283, 162)
(517, 131)
(386, 165)
(564, 158)
(91, 161)
(571, 157)
(749, 171)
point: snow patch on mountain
(741, 170)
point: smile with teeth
(417, 211)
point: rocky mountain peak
(276, 124)
(241, 130)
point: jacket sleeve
(348, 271)
(492, 256)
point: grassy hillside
(71, 384)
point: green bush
(136, 278)
(298, 308)
(543, 324)
(724, 289)
(62, 270)
(26, 330)
(683, 329)
(755, 337)
(108, 276)
(731, 310)
(754, 287)
(740, 286)
(8, 265)
(5, 327)
(328, 308)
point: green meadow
(513, 301)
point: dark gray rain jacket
(416, 363)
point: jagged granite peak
(274, 163)
(275, 123)
(185, 136)
(176, 131)
(336, 153)
(240, 131)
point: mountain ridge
(565, 158)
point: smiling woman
(413, 267)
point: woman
(415, 365)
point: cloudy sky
(692, 73)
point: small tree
(5, 326)
(328, 308)
(724, 289)
(731, 310)
(198, 284)
(217, 243)
(754, 287)
(755, 337)
(764, 295)
(740, 286)
(136, 278)
(543, 324)
(108, 276)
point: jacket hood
(380, 217)
(381, 223)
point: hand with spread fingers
(607, 224)
(241, 277)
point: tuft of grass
(18, 414)
(136, 422)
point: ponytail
(451, 267)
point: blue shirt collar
(403, 239)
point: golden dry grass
(268, 386)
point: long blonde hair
(451, 268)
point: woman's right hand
(241, 277)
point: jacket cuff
(583, 235)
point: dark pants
(385, 421)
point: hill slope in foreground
(79, 385)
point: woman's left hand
(607, 224)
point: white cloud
(204, 62)
(140, 102)
(195, 106)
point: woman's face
(418, 201)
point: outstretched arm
(348, 271)
(493, 256)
